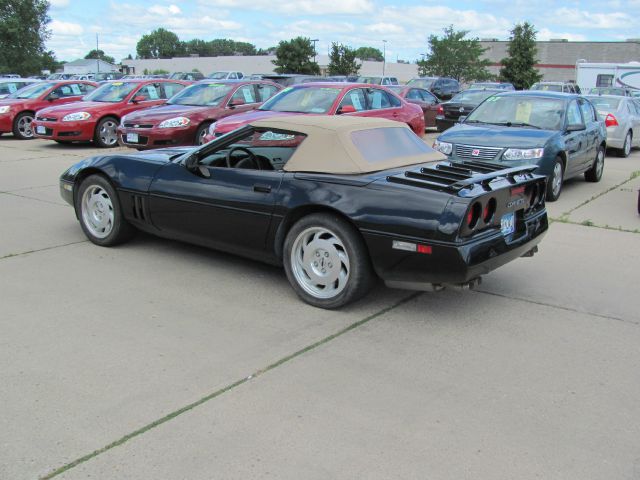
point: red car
(18, 109)
(98, 115)
(185, 119)
(358, 99)
(426, 100)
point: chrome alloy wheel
(203, 133)
(97, 211)
(108, 132)
(320, 262)
(627, 144)
(24, 126)
(599, 163)
(556, 180)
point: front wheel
(106, 134)
(326, 261)
(594, 174)
(22, 128)
(626, 146)
(100, 213)
(200, 134)
(554, 182)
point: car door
(381, 104)
(145, 96)
(592, 132)
(215, 206)
(575, 139)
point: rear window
(471, 97)
(380, 144)
(546, 87)
(604, 103)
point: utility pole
(314, 40)
(97, 57)
(384, 55)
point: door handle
(262, 188)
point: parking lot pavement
(162, 360)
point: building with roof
(84, 66)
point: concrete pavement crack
(11, 255)
(228, 388)
(560, 307)
(60, 204)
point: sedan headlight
(443, 147)
(4, 109)
(175, 122)
(523, 154)
(74, 117)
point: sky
(404, 24)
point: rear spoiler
(456, 176)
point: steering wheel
(251, 157)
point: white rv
(626, 75)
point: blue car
(560, 133)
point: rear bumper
(451, 264)
(65, 131)
(443, 123)
(157, 137)
(615, 137)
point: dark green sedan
(560, 133)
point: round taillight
(489, 210)
(474, 215)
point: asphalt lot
(159, 360)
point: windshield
(200, 94)
(111, 92)
(303, 100)
(517, 110)
(608, 91)
(32, 91)
(604, 103)
(472, 97)
(218, 75)
(546, 87)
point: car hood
(497, 136)
(13, 101)
(78, 107)
(235, 121)
(164, 112)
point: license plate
(508, 223)
(132, 137)
(40, 129)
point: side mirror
(346, 109)
(576, 127)
(53, 96)
(139, 98)
(235, 102)
(191, 164)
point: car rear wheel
(326, 261)
(626, 146)
(554, 182)
(202, 131)
(594, 174)
(106, 134)
(100, 213)
(22, 126)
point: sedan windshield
(202, 94)
(303, 100)
(32, 91)
(111, 92)
(605, 104)
(520, 111)
(608, 91)
(472, 97)
(218, 75)
(547, 87)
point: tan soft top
(328, 147)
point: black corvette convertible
(336, 200)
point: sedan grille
(477, 153)
(138, 125)
(46, 119)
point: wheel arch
(84, 173)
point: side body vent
(139, 208)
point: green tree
(369, 53)
(295, 56)
(99, 54)
(519, 67)
(342, 60)
(160, 43)
(23, 31)
(455, 56)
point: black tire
(202, 131)
(554, 184)
(339, 238)
(626, 146)
(105, 134)
(116, 230)
(594, 174)
(22, 126)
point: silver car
(622, 119)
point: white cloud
(65, 28)
(161, 10)
(546, 34)
(59, 3)
(583, 19)
(384, 28)
(300, 7)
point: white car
(226, 75)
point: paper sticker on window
(66, 90)
(153, 93)
(523, 112)
(355, 100)
(248, 95)
(117, 84)
(75, 89)
(376, 101)
(12, 87)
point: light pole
(314, 40)
(384, 55)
